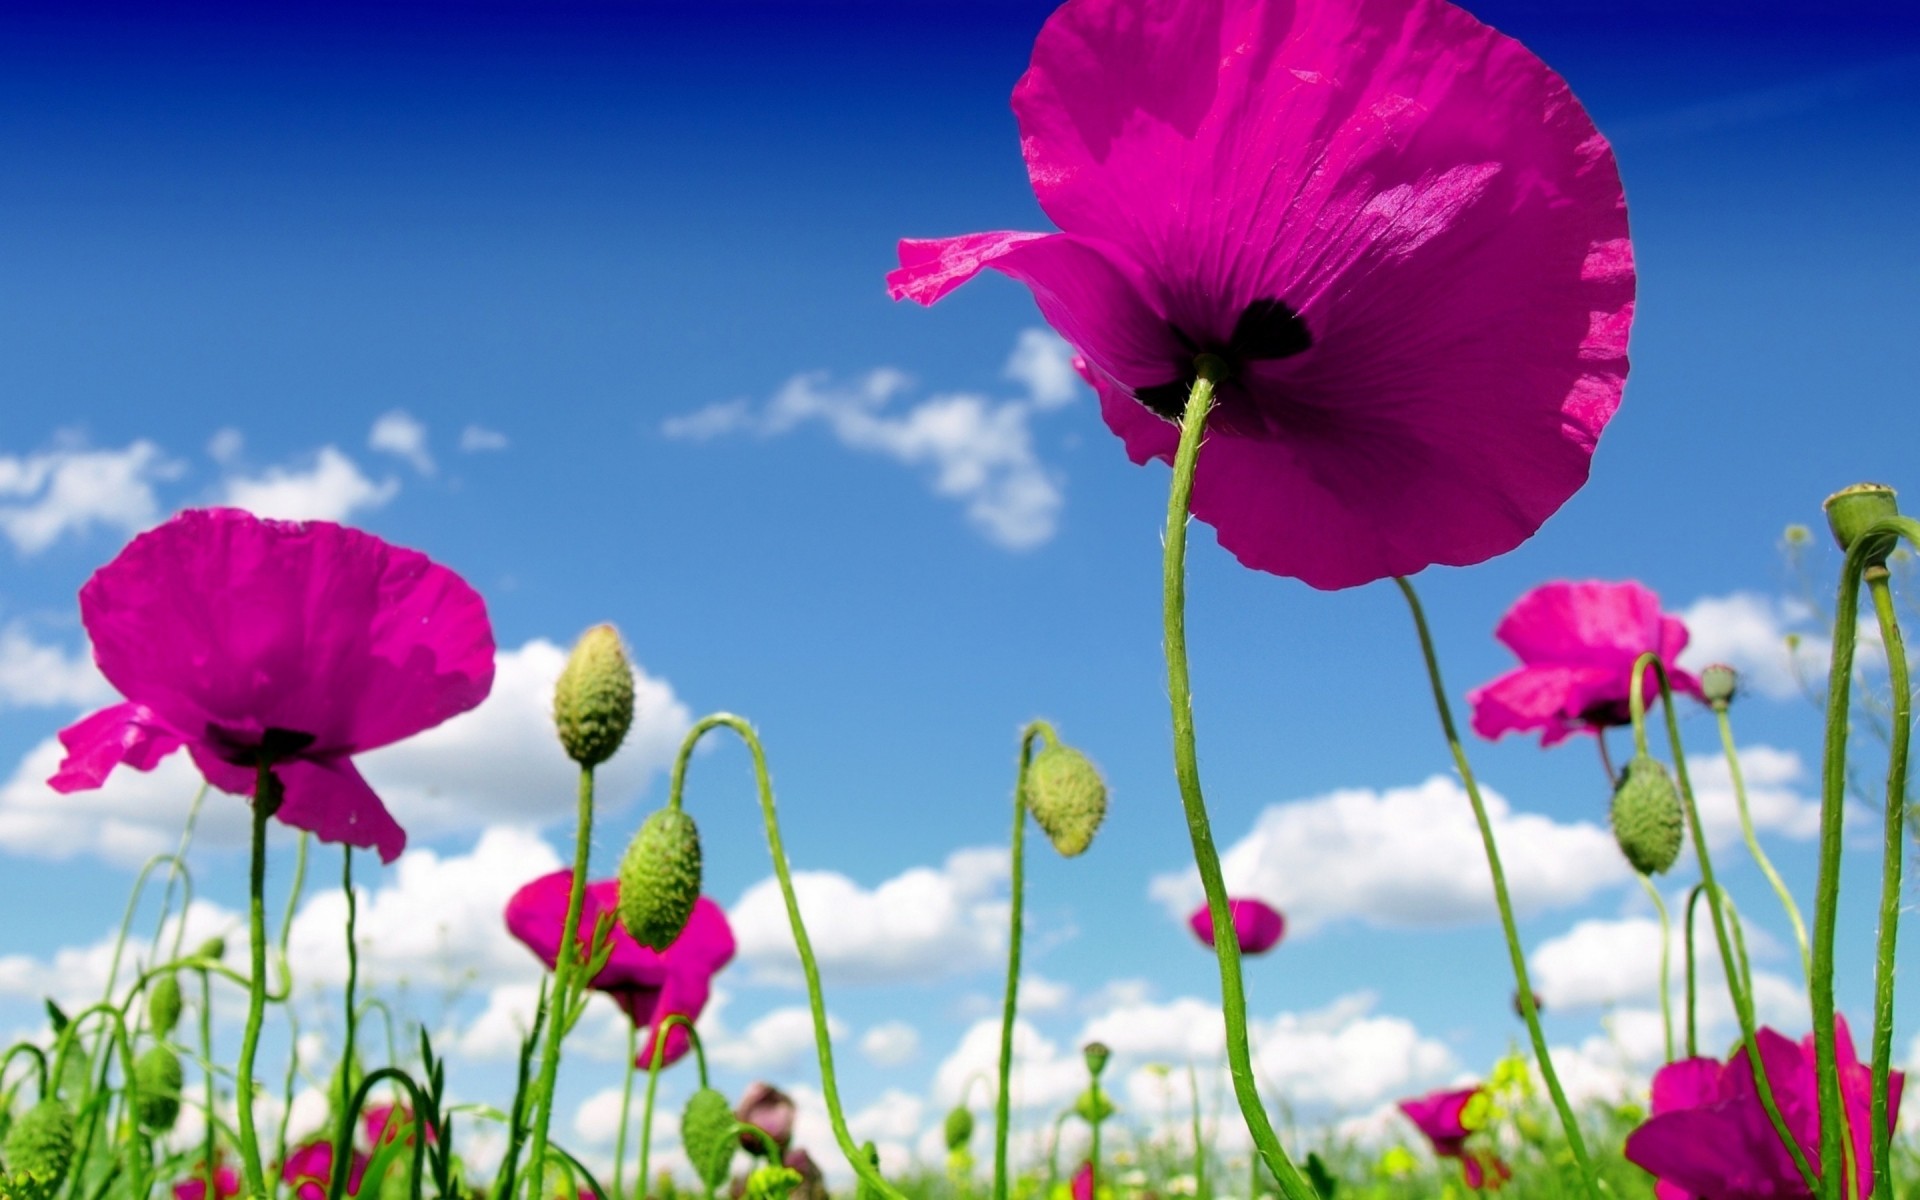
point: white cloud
(1039, 994)
(771, 1044)
(34, 674)
(919, 925)
(1043, 363)
(977, 450)
(477, 439)
(1751, 634)
(134, 816)
(1043, 1075)
(226, 445)
(1405, 857)
(892, 1044)
(503, 761)
(330, 488)
(1344, 1055)
(45, 496)
(402, 435)
(1773, 802)
(77, 975)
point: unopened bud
(707, 1134)
(163, 1005)
(593, 702)
(1067, 797)
(772, 1183)
(39, 1147)
(959, 1128)
(1646, 816)
(157, 1080)
(214, 948)
(1852, 511)
(1718, 683)
(660, 878)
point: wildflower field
(1322, 803)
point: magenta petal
(330, 800)
(121, 734)
(1701, 1151)
(1257, 925)
(1589, 622)
(1530, 698)
(1686, 1083)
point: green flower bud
(1066, 796)
(772, 1183)
(959, 1127)
(1096, 1054)
(214, 948)
(163, 1005)
(1719, 683)
(1647, 816)
(660, 878)
(593, 702)
(39, 1147)
(863, 1190)
(1851, 511)
(157, 1080)
(1093, 1108)
(708, 1135)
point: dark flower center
(1267, 330)
(1605, 713)
(271, 746)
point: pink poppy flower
(310, 1168)
(1083, 1181)
(650, 985)
(303, 643)
(382, 1125)
(1577, 643)
(1443, 1118)
(1710, 1139)
(1396, 228)
(226, 1182)
(1257, 925)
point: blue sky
(467, 275)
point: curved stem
(1666, 959)
(1892, 857)
(183, 876)
(1737, 989)
(816, 1002)
(32, 1051)
(1693, 1026)
(1002, 1103)
(657, 1045)
(1753, 843)
(1529, 1011)
(265, 790)
(1186, 769)
(626, 1113)
(564, 968)
(343, 1126)
(343, 1151)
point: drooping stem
(1666, 959)
(626, 1111)
(343, 1126)
(1186, 769)
(657, 1042)
(1693, 1027)
(809, 966)
(1737, 989)
(266, 792)
(1753, 843)
(1002, 1108)
(1892, 856)
(1529, 1011)
(564, 969)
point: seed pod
(1852, 511)
(1718, 684)
(660, 878)
(163, 1005)
(1647, 816)
(708, 1135)
(1067, 797)
(39, 1147)
(593, 701)
(157, 1080)
(1096, 1054)
(959, 1127)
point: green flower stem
(1200, 1145)
(1891, 860)
(1693, 1027)
(206, 1056)
(1753, 843)
(179, 875)
(28, 1050)
(658, 1042)
(1093, 1153)
(1053, 1151)
(517, 1112)
(1737, 988)
(1529, 1011)
(829, 1086)
(343, 1151)
(266, 791)
(1186, 769)
(626, 1112)
(1666, 959)
(563, 973)
(343, 1124)
(1002, 1112)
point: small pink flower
(1442, 1118)
(309, 1170)
(300, 643)
(1709, 1138)
(1577, 643)
(1257, 925)
(649, 985)
(1083, 1181)
(1395, 226)
(226, 1182)
(382, 1125)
